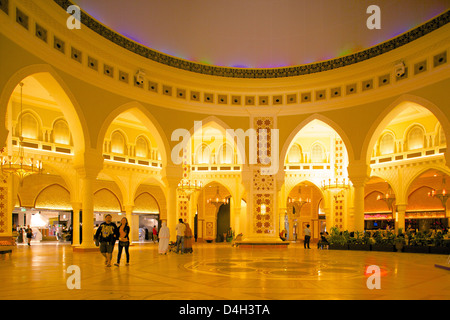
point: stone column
(171, 177)
(88, 213)
(359, 173)
(76, 207)
(400, 217)
(88, 164)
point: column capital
(358, 173)
(171, 175)
(88, 164)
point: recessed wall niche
(59, 45)
(222, 99)
(440, 59)
(208, 97)
(108, 70)
(321, 95)
(181, 93)
(350, 89)
(93, 63)
(249, 101)
(21, 18)
(264, 100)
(153, 86)
(195, 96)
(291, 98)
(76, 55)
(41, 32)
(384, 80)
(4, 6)
(123, 76)
(420, 67)
(306, 97)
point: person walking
(180, 228)
(164, 236)
(188, 239)
(124, 241)
(307, 233)
(155, 234)
(107, 234)
(29, 233)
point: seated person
(283, 235)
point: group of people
(22, 233)
(185, 237)
(106, 236)
(108, 233)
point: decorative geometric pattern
(289, 268)
(350, 59)
(263, 128)
(262, 221)
(4, 215)
(263, 186)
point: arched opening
(410, 139)
(427, 202)
(304, 205)
(379, 205)
(129, 139)
(146, 214)
(213, 209)
(318, 154)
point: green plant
(337, 237)
(400, 240)
(438, 239)
(419, 239)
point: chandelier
(336, 184)
(387, 197)
(440, 194)
(217, 200)
(299, 202)
(188, 187)
(17, 163)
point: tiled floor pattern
(221, 272)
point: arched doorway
(427, 203)
(213, 212)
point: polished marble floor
(221, 272)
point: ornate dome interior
(259, 33)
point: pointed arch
(391, 112)
(304, 123)
(147, 119)
(49, 78)
(219, 124)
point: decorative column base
(262, 243)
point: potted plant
(399, 242)
(438, 245)
(384, 242)
(359, 242)
(417, 244)
(337, 240)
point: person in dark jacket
(124, 240)
(107, 234)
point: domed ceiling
(259, 33)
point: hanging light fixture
(441, 194)
(388, 197)
(17, 163)
(217, 200)
(337, 184)
(299, 202)
(188, 187)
